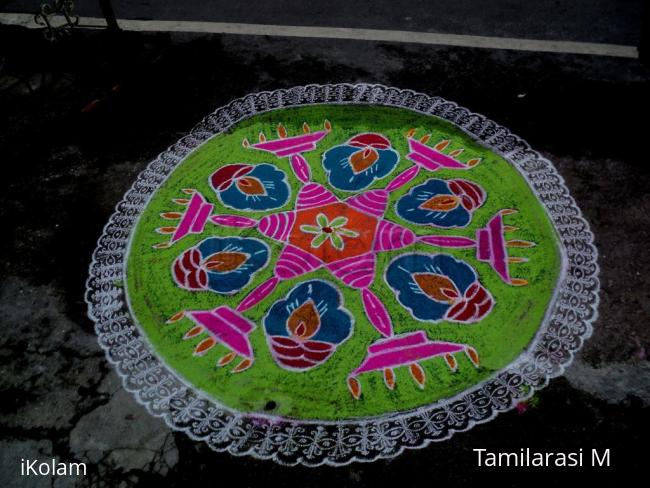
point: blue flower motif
(441, 203)
(305, 328)
(356, 164)
(429, 285)
(224, 265)
(251, 187)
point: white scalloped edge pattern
(566, 325)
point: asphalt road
(603, 21)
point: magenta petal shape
(233, 221)
(377, 313)
(300, 167)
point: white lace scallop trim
(565, 327)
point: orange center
(441, 203)
(436, 286)
(364, 225)
(363, 159)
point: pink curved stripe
(376, 313)
(395, 240)
(258, 294)
(342, 264)
(301, 256)
(267, 225)
(283, 272)
(383, 236)
(314, 195)
(298, 261)
(295, 262)
(287, 270)
(233, 221)
(360, 278)
(286, 220)
(366, 266)
(281, 222)
(312, 189)
(316, 200)
(392, 236)
(373, 202)
(277, 226)
(290, 218)
(357, 272)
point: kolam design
(336, 273)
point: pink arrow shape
(228, 327)
(291, 145)
(195, 217)
(404, 349)
(431, 159)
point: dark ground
(67, 163)
(605, 21)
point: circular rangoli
(335, 273)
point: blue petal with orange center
(304, 329)
(356, 164)
(429, 284)
(231, 262)
(435, 203)
(251, 187)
